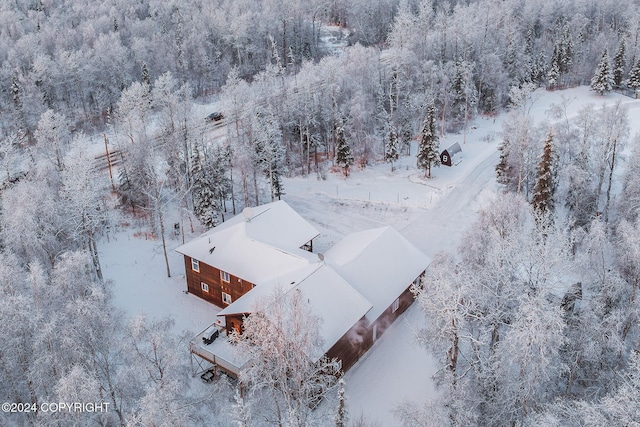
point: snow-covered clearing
(432, 213)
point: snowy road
(440, 228)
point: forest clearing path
(441, 227)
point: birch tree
(287, 375)
(84, 209)
(53, 137)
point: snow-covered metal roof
(379, 263)
(258, 245)
(275, 224)
(454, 149)
(330, 297)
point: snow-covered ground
(432, 213)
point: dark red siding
(236, 287)
(355, 343)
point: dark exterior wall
(211, 276)
(353, 345)
(359, 339)
(389, 316)
(447, 161)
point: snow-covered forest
(530, 311)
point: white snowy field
(432, 213)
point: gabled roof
(379, 263)
(258, 245)
(275, 224)
(330, 297)
(454, 149)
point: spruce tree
(602, 80)
(341, 414)
(429, 147)
(566, 50)
(562, 56)
(217, 167)
(269, 152)
(503, 169)
(619, 65)
(634, 76)
(539, 69)
(15, 93)
(344, 156)
(205, 205)
(553, 76)
(145, 75)
(545, 183)
(405, 135)
(275, 167)
(459, 88)
(391, 149)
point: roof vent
(211, 250)
(248, 213)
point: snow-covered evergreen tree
(341, 414)
(504, 171)
(144, 71)
(562, 56)
(269, 152)
(602, 80)
(429, 147)
(344, 155)
(619, 64)
(553, 75)
(218, 162)
(205, 202)
(545, 186)
(464, 94)
(566, 50)
(391, 146)
(539, 69)
(634, 76)
(15, 93)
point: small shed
(448, 156)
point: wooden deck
(220, 355)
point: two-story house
(357, 288)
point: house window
(445, 159)
(204, 286)
(395, 305)
(195, 265)
(225, 276)
(226, 298)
